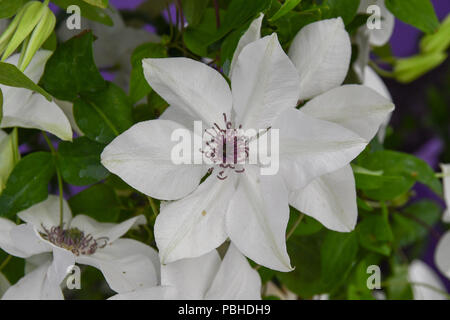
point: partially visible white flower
(446, 181)
(4, 284)
(50, 250)
(442, 255)
(324, 296)
(206, 277)
(114, 45)
(23, 108)
(6, 158)
(378, 37)
(271, 289)
(423, 279)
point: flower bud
(439, 41)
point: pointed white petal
(357, 108)
(34, 286)
(420, 273)
(27, 242)
(190, 85)
(46, 213)
(321, 52)
(195, 225)
(252, 34)
(67, 108)
(236, 279)
(109, 231)
(6, 242)
(141, 156)
(126, 265)
(264, 83)
(191, 277)
(178, 115)
(446, 181)
(310, 147)
(257, 218)
(330, 199)
(63, 260)
(442, 255)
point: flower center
(226, 148)
(73, 239)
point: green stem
(5, 262)
(441, 175)
(296, 224)
(60, 182)
(381, 72)
(15, 145)
(153, 206)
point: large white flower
(82, 240)
(425, 282)
(23, 108)
(321, 52)
(238, 202)
(206, 277)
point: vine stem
(15, 145)
(153, 206)
(217, 9)
(5, 262)
(60, 183)
(296, 224)
(383, 73)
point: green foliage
(9, 8)
(94, 13)
(418, 13)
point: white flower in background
(206, 277)
(273, 290)
(26, 109)
(6, 158)
(249, 208)
(51, 250)
(331, 198)
(442, 254)
(114, 45)
(425, 282)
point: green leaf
(99, 202)
(287, 7)
(418, 13)
(398, 284)
(90, 12)
(412, 226)
(71, 70)
(98, 3)
(375, 234)
(1, 105)
(400, 172)
(13, 77)
(194, 10)
(15, 268)
(342, 8)
(139, 86)
(9, 8)
(338, 254)
(80, 162)
(305, 279)
(306, 227)
(104, 115)
(27, 184)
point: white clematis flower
(446, 181)
(423, 279)
(249, 208)
(206, 277)
(23, 108)
(321, 52)
(378, 37)
(81, 240)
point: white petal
(311, 147)
(446, 181)
(109, 231)
(6, 158)
(190, 85)
(35, 69)
(379, 37)
(178, 115)
(67, 108)
(141, 156)
(330, 199)
(257, 218)
(321, 52)
(63, 260)
(46, 213)
(26, 241)
(34, 262)
(420, 273)
(191, 277)
(126, 265)
(264, 83)
(6, 243)
(442, 255)
(34, 286)
(236, 279)
(154, 293)
(357, 108)
(252, 34)
(195, 225)
(4, 284)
